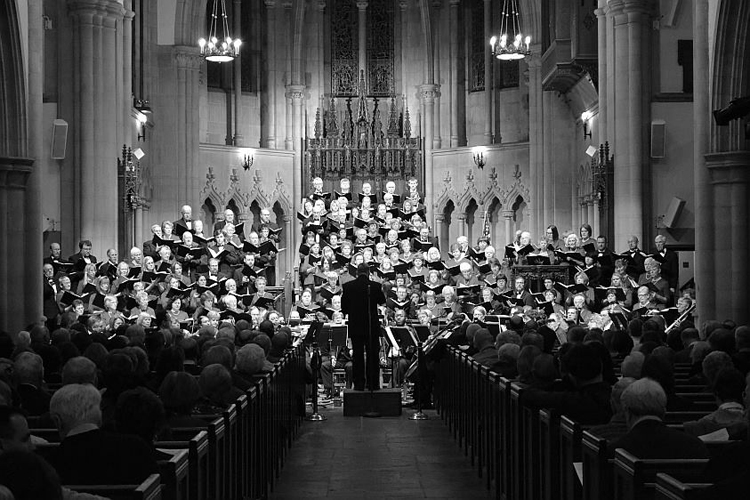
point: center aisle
(377, 458)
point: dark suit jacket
(49, 304)
(101, 457)
(180, 226)
(487, 356)
(670, 268)
(354, 302)
(652, 439)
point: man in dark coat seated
(645, 403)
(89, 455)
(586, 398)
(360, 302)
(484, 344)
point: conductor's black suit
(362, 296)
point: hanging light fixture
(511, 44)
(219, 46)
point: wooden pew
(597, 467)
(175, 476)
(199, 468)
(669, 488)
(634, 478)
(548, 454)
(571, 435)
(503, 463)
(150, 489)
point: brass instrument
(682, 317)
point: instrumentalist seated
(401, 359)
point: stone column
(453, 19)
(296, 94)
(623, 167)
(188, 63)
(289, 141)
(729, 176)
(362, 18)
(463, 228)
(28, 185)
(637, 12)
(705, 276)
(436, 41)
(539, 162)
(602, 34)
(127, 75)
(20, 288)
(428, 92)
(270, 94)
(487, 73)
(596, 225)
(237, 63)
(437, 231)
(95, 133)
(508, 217)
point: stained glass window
(380, 47)
(476, 45)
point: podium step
(385, 402)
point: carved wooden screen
(344, 48)
(380, 48)
(372, 143)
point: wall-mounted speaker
(59, 139)
(673, 212)
(658, 138)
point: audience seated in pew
(583, 397)
(644, 403)
(89, 455)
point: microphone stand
(419, 415)
(372, 413)
(315, 365)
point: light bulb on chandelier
(211, 48)
(510, 29)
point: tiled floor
(377, 458)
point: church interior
(510, 126)
(606, 122)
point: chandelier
(511, 44)
(219, 47)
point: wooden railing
(529, 454)
(238, 455)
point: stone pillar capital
(187, 57)
(295, 92)
(270, 4)
(508, 214)
(637, 6)
(321, 5)
(100, 7)
(362, 4)
(429, 92)
(403, 4)
(439, 218)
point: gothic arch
(470, 193)
(209, 191)
(190, 21)
(13, 138)
(731, 73)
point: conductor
(360, 302)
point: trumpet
(682, 317)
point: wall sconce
(142, 120)
(142, 105)
(248, 158)
(585, 117)
(479, 159)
